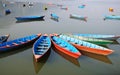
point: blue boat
(41, 47)
(54, 16)
(99, 36)
(115, 17)
(86, 46)
(24, 18)
(92, 40)
(81, 6)
(17, 43)
(7, 11)
(64, 47)
(4, 38)
(75, 16)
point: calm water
(21, 62)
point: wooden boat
(112, 17)
(65, 47)
(75, 16)
(4, 38)
(100, 36)
(17, 43)
(24, 18)
(92, 40)
(86, 46)
(54, 16)
(41, 47)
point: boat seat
(21, 41)
(15, 44)
(7, 45)
(41, 47)
(38, 53)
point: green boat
(92, 40)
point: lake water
(21, 61)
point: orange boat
(86, 46)
(64, 47)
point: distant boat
(112, 17)
(75, 16)
(65, 47)
(64, 8)
(24, 18)
(4, 38)
(41, 47)
(92, 40)
(86, 46)
(54, 16)
(17, 43)
(7, 11)
(82, 6)
(100, 36)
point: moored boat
(100, 36)
(4, 38)
(17, 43)
(41, 47)
(86, 46)
(75, 16)
(92, 40)
(64, 47)
(24, 18)
(116, 17)
(54, 16)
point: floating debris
(111, 9)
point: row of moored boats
(56, 17)
(69, 44)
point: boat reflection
(70, 59)
(85, 20)
(15, 51)
(97, 57)
(29, 20)
(57, 20)
(38, 65)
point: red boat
(65, 47)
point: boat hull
(65, 51)
(86, 46)
(97, 36)
(93, 50)
(92, 40)
(29, 18)
(13, 45)
(78, 17)
(112, 17)
(4, 38)
(41, 47)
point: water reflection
(97, 57)
(38, 65)
(85, 20)
(70, 59)
(55, 19)
(29, 20)
(118, 40)
(11, 52)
